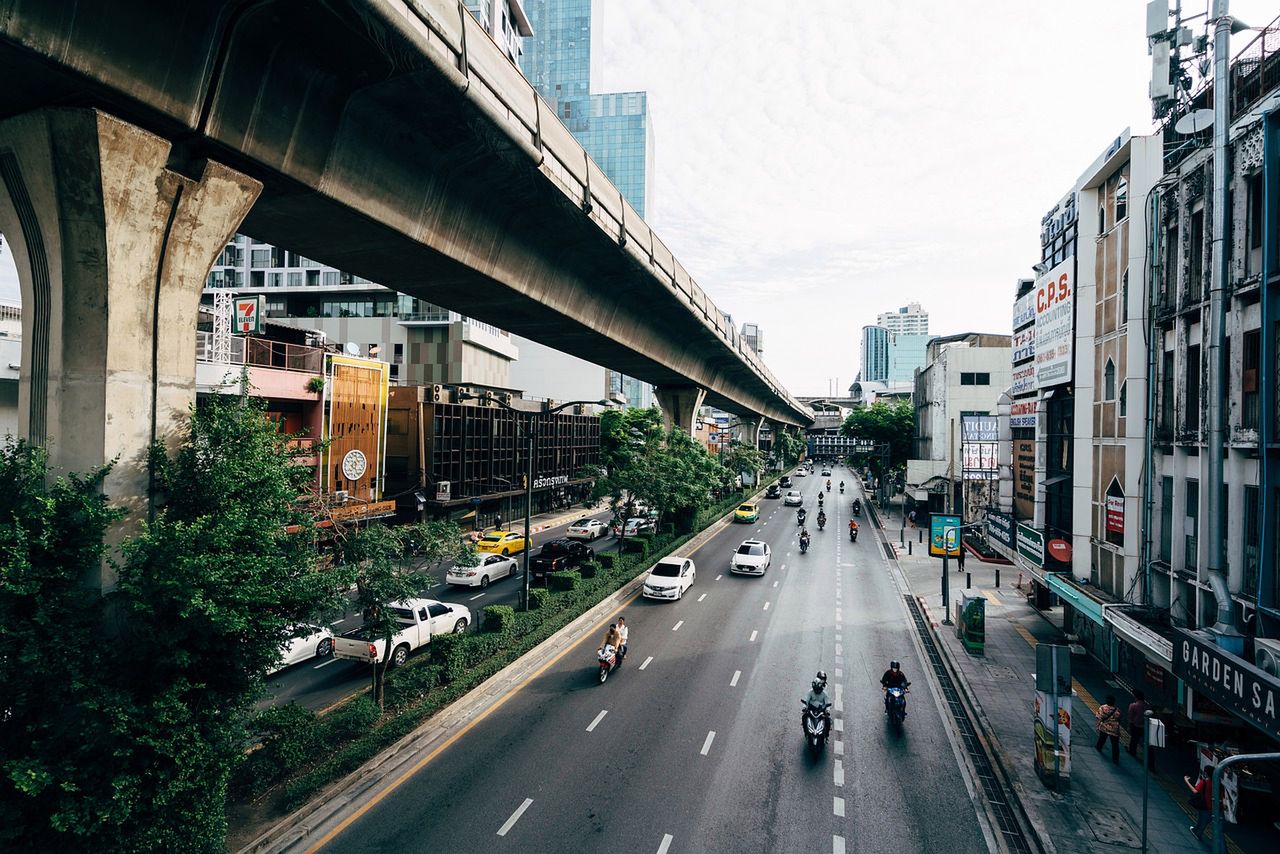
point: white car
(670, 578)
(587, 529)
(793, 499)
(639, 526)
(801, 473)
(305, 643)
(491, 568)
(751, 558)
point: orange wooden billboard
(355, 424)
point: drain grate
(889, 552)
(994, 790)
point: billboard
(1024, 477)
(355, 426)
(944, 536)
(1023, 414)
(1000, 527)
(1024, 346)
(979, 428)
(1024, 309)
(1023, 381)
(1055, 324)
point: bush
(498, 618)
(606, 560)
(564, 580)
(589, 569)
(290, 737)
(668, 529)
(351, 720)
(538, 598)
(412, 682)
(636, 545)
(448, 653)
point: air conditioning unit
(437, 393)
(340, 496)
(1266, 655)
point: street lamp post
(531, 432)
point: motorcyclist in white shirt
(623, 633)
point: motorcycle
(804, 545)
(828, 486)
(853, 535)
(607, 657)
(799, 518)
(842, 489)
(822, 522)
(895, 703)
(816, 723)
(857, 508)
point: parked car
(503, 543)
(793, 499)
(784, 482)
(636, 525)
(587, 529)
(490, 568)
(752, 558)
(420, 620)
(774, 491)
(748, 512)
(304, 643)
(670, 578)
(558, 556)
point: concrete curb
(330, 807)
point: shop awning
(1067, 590)
(1157, 648)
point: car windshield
(667, 570)
(747, 508)
(403, 615)
(756, 549)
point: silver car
(793, 499)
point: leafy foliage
(788, 445)
(892, 422)
(740, 458)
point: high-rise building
(875, 354)
(505, 20)
(907, 353)
(754, 336)
(910, 319)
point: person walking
(960, 557)
(1201, 792)
(912, 518)
(1137, 715)
(1109, 727)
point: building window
(1109, 381)
(295, 280)
(275, 280)
(1122, 199)
(1195, 275)
(1124, 399)
(1249, 379)
(1169, 275)
(1253, 258)
(1166, 519)
(1252, 541)
(1191, 417)
(1165, 427)
(1124, 296)
(260, 258)
(1191, 544)
(968, 378)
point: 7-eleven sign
(248, 315)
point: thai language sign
(1031, 544)
(1023, 380)
(1055, 324)
(1024, 345)
(1231, 682)
(1024, 477)
(1023, 414)
(1024, 310)
(1000, 528)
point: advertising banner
(1233, 683)
(1115, 514)
(1000, 528)
(1049, 707)
(1024, 345)
(1031, 544)
(979, 428)
(980, 461)
(1024, 477)
(1055, 324)
(944, 535)
(1023, 414)
(1024, 309)
(1023, 380)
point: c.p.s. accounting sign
(1231, 682)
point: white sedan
(752, 558)
(670, 578)
(491, 568)
(587, 529)
(305, 642)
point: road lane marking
(839, 773)
(839, 724)
(839, 636)
(766, 606)
(839, 707)
(327, 663)
(839, 745)
(837, 807)
(677, 626)
(646, 662)
(598, 719)
(784, 566)
(775, 584)
(733, 683)
(837, 845)
(515, 816)
(666, 843)
(753, 637)
(706, 745)
(703, 596)
(839, 649)
(718, 577)
(477, 596)
(839, 673)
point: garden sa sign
(1233, 683)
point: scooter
(816, 723)
(804, 545)
(800, 517)
(822, 522)
(857, 508)
(895, 703)
(607, 657)
(853, 535)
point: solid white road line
(837, 845)
(666, 843)
(733, 683)
(600, 717)
(703, 596)
(646, 662)
(706, 745)
(766, 606)
(839, 773)
(515, 816)
(331, 660)
(677, 626)
(837, 807)
(753, 637)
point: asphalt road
(695, 744)
(319, 683)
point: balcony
(261, 353)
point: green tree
(891, 422)
(740, 458)
(788, 445)
(670, 472)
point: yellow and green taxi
(502, 543)
(749, 512)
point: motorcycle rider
(611, 641)
(828, 484)
(853, 531)
(804, 539)
(800, 517)
(822, 520)
(842, 487)
(623, 633)
(857, 507)
(820, 499)
(819, 700)
(892, 678)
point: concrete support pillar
(680, 405)
(747, 430)
(112, 247)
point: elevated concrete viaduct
(390, 138)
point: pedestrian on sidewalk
(497, 521)
(960, 557)
(1109, 727)
(1199, 798)
(1137, 722)
(912, 517)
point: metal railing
(263, 353)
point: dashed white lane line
(839, 649)
(839, 673)
(837, 807)
(703, 596)
(718, 577)
(666, 843)
(477, 596)
(766, 606)
(839, 746)
(753, 637)
(326, 663)
(600, 717)
(706, 745)
(775, 584)
(839, 725)
(839, 773)
(515, 816)
(646, 662)
(784, 566)
(677, 626)
(733, 683)
(837, 845)
(839, 637)
(839, 707)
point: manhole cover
(999, 671)
(1110, 827)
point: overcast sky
(820, 162)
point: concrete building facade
(909, 319)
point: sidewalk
(1102, 807)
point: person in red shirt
(1200, 795)
(1137, 720)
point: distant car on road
(801, 472)
(558, 556)
(793, 499)
(774, 491)
(784, 482)
(752, 558)
(670, 578)
(636, 525)
(305, 643)
(419, 619)
(826, 472)
(748, 512)
(503, 543)
(587, 529)
(491, 568)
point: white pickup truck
(420, 619)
